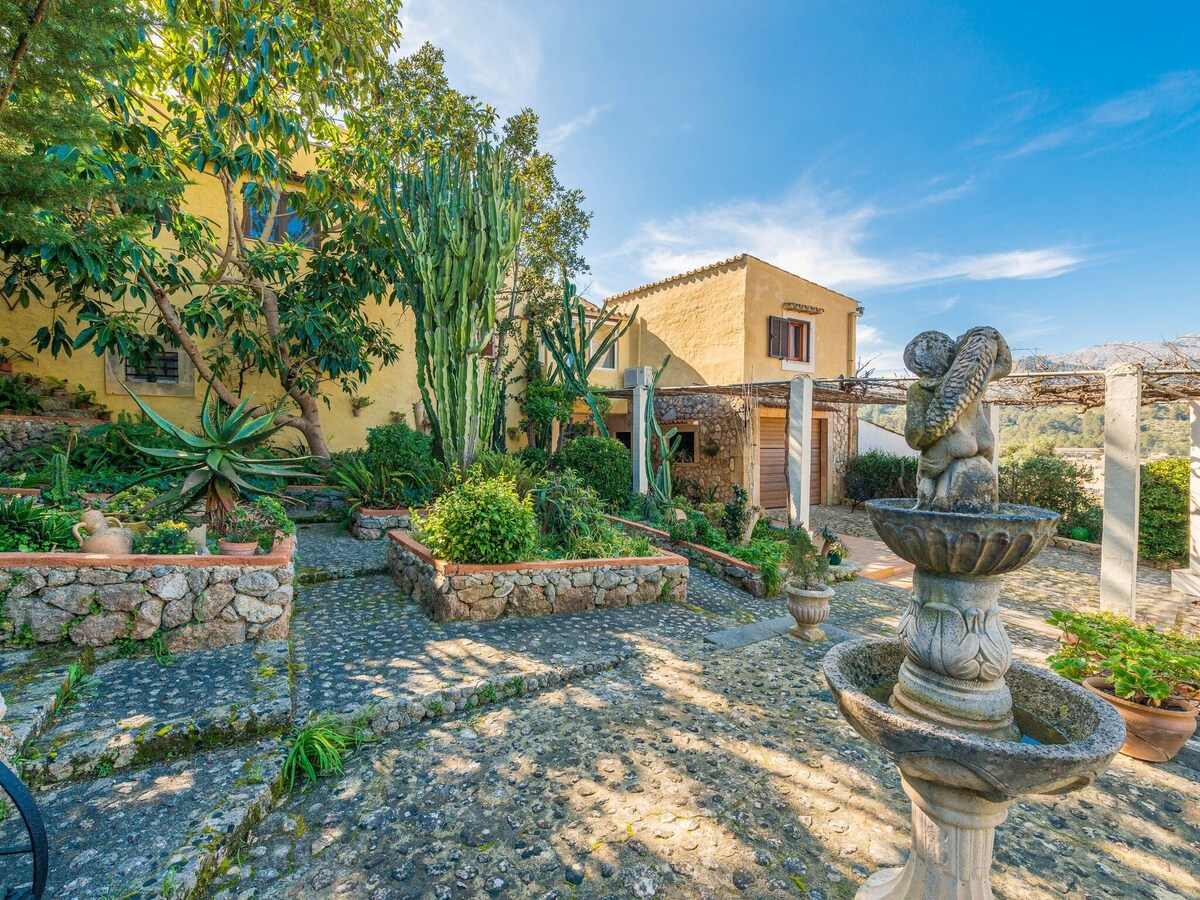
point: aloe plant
(455, 225)
(577, 346)
(216, 460)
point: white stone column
(1188, 580)
(638, 380)
(953, 838)
(993, 416)
(1122, 489)
(799, 450)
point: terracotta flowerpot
(1152, 733)
(236, 548)
(6, 367)
(809, 609)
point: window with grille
(789, 339)
(164, 369)
(289, 225)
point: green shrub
(1163, 526)
(481, 521)
(16, 397)
(524, 475)
(603, 464)
(165, 538)
(26, 527)
(259, 522)
(573, 525)
(1051, 482)
(737, 514)
(398, 448)
(808, 567)
(876, 475)
(133, 504)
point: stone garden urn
(969, 729)
(809, 608)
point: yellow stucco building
(737, 322)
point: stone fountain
(969, 729)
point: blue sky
(1033, 166)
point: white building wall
(876, 437)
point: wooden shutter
(777, 337)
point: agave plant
(216, 460)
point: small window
(608, 361)
(789, 339)
(489, 349)
(686, 451)
(290, 226)
(163, 370)
(626, 438)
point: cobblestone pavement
(684, 773)
(326, 550)
(360, 641)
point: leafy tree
(243, 100)
(57, 56)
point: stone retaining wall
(732, 571)
(450, 591)
(318, 501)
(372, 524)
(92, 600)
(19, 433)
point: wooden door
(772, 462)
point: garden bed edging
(456, 591)
(729, 569)
(94, 600)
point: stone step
(157, 832)
(136, 711)
(30, 682)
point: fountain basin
(988, 543)
(1090, 730)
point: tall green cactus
(577, 345)
(454, 224)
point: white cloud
(492, 48)
(559, 134)
(1171, 103)
(882, 357)
(824, 239)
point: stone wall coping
(716, 555)
(540, 565)
(78, 421)
(279, 555)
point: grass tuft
(319, 748)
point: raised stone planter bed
(315, 501)
(451, 591)
(736, 572)
(94, 600)
(368, 524)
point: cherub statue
(946, 420)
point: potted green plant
(807, 586)
(58, 387)
(166, 538)
(358, 403)
(82, 397)
(10, 354)
(135, 507)
(833, 548)
(251, 526)
(1152, 677)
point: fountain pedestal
(952, 835)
